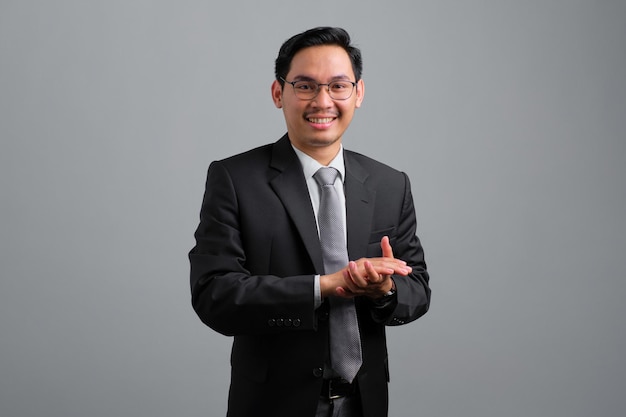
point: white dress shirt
(310, 167)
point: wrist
(328, 285)
(391, 291)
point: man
(260, 270)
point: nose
(323, 97)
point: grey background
(509, 117)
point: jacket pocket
(373, 247)
(249, 359)
(376, 235)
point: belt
(337, 388)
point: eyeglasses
(308, 90)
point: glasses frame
(319, 88)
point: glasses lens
(338, 90)
(305, 89)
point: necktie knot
(326, 176)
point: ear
(360, 92)
(277, 94)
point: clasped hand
(370, 277)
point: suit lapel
(289, 184)
(359, 207)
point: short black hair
(316, 37)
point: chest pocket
(373, 246)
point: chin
(320, 142)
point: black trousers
(340, 407)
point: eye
(340, 85)
(305, 86)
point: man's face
(320, 122)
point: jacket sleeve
(225, 294)
(412, 298)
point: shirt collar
(310, 165)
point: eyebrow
(307, 78)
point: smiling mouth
(320, 120)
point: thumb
(386, 247)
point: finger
(387, 266)
(372, 274)
(349, 286)
(386, 247)
(397, 265)
(342, 292)
(356, 276)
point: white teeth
(321, 121)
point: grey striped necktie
(345, 341)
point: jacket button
(280, 322)
(318, 372)
(271, 322)
(296, 322)
(288, 322)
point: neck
(322, 154)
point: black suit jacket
(252, 272)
